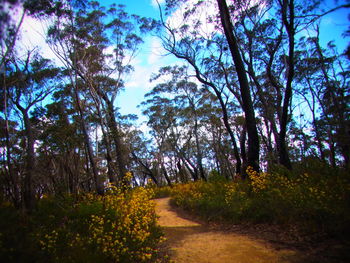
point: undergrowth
(116, 227)
(316, 202)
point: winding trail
(191, 242)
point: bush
(117, 227)
(160, 192)
(314, 201)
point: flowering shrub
(312, 200)
(160, 192)
(119, 226)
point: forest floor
(191, 241)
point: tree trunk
(166, 176)
(28, 193)
(120, 149)
(148, 171)
(247, 104)
(13, 176)
(199, 151)
(289, 25)
(223, 107)
(97, 179)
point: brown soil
(190, 241)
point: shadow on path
(192, 242)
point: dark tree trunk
(97, 179)
(120, 149)
(148, 170)
(166, 176)
(242, 142)
(289, 25)
(13, 176)
(199, 151)
(28, 193)
(247, 104)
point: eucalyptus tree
(208, 53)
(28, 82)
(245, 90)
(218, 146)
(98, 46)
(324, 77)
(143, 158)
(261, 38)
(188, 99)
(61, 148)
(161, 128)
(205, 55)
(196, 138)
(275, 65)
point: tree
(28, 83)
(87, 53)
(206, 56)
(247, 104)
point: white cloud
(202, 15)
(150, 59)
(33, 35)
(157, 51)
(155, 4)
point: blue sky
(148, 61)
(151, 56)
(332, 28)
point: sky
(150, 59)
(151, 56)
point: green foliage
(160, 192)
(316, 202)
(15, 244)
(215, 176)
(116, 227)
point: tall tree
(28, 83)
(247, 104)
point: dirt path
(191, 242)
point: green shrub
(160, 192)
(314, 201)
(117, 227)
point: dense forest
(255, 99)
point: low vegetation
(116, 227)
(313, 201)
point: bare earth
(192, 242)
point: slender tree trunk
(288, 5)
(253, 138)
(242, 142)
(166, 176)
(13, 176)
(148, 171)
(110, 170)
(28, 193)
(199, 151)
(11, 44)
(106, 139)
(97, 179)
(223, 107)
(120, 149)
